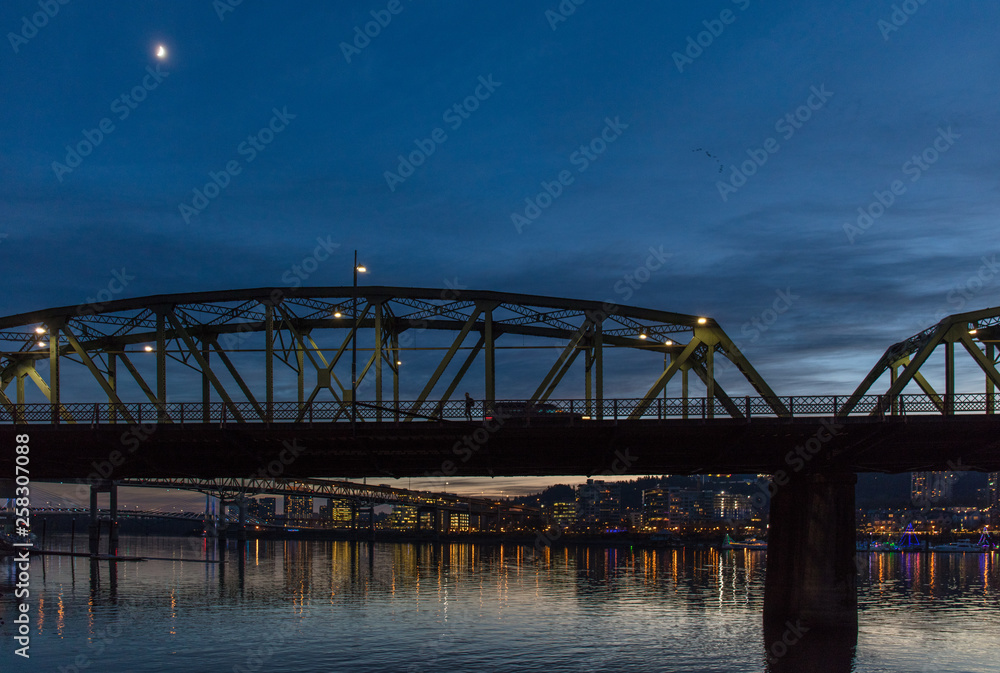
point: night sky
(738, 139)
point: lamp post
(354, 346)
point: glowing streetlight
(148, 349)
(702, 321)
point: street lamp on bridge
(354, 345)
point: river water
(340, 606)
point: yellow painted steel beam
(89, 363)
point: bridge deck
(461, 448)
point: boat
(665, 540)
(729, 543)
(909, 541)
(962, 546)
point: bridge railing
(566, 411)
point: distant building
(337, 512)
(931, 489)
(635, 521)
(656, 508)
(598, 503)
(732, 507)
(563, 514)
(402, 517)
(680, 507)
(262, 508)
(298, 507)
(689, 506)
(458, 522)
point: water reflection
(473, 606)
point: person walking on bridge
(469, 402)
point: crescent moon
(161, 52)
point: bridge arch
(249, 353)
(907, 363)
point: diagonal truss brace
(924, 350)
(664, 378)
(563, 362)
(446, 360)
(205, 368)
(108, 388)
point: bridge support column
(113, 518)
(95, 522)
(811, 571)
(222, 527)
(241, 532)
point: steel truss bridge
(273, 370)
(205, 334)
(123, 514)
(230, 490)
(103, 393)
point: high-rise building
(402, 517)
(599, 502)
(993, 512)
(656, 508)
(336, 512)
(298, 507)
(931, 489)
(732, 507)
(563, 514)
(689, 506)
(262, 508)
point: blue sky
(890, 94)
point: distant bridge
(229, 489)
(122, 513)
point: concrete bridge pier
(810, 590)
